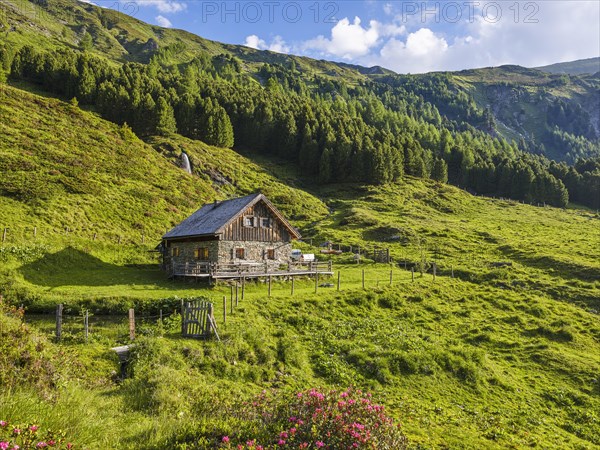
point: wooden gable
(257, 223)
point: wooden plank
(131, 324)
(59, 318)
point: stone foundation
(225, 251)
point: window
(175, 251)
(265, 222)
(240, 253)
(271, 253)
(201, 253)
(250, 221)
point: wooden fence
(203, 269)
(198, 320)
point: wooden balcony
(249, 270)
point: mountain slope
(63, 167)
(581, 66)
(526, 104)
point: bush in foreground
(317, 419)
(29, 437)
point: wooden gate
(198, 320)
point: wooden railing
(249, 269)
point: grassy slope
(496, 357)
(590, 65)
(108, 183)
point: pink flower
(250, 443)
(69, 446)
(16, 447)
(3, 423)
(281, 442)
(283, 435)
(320, 444)
(33, 428)
(3, 445)
(225, 439)
(41, 445)
(16, 431)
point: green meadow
(500, 350)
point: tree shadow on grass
(73, 267)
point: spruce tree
(165, 118)
(440, 171)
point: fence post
(316, 280)
(338, 283)
(231, 306)
(160, 316)
(4, 234)
(231, 294)
(243, 286)
(452, 269)
(434, 270)
(388, 255)
(132, 323)
(293, 285)
(59, 317)
(270, 280)
(391, 276)
(182, 318)
(95, 236)
(412, 273)
(363, 278)
(86, 324)
(119, 240)
(224, 310)
(34, 231)
(236, 295)
(143, 238)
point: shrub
(29, 437)
(317, 419)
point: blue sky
(405, 36)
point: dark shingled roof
(209, 219)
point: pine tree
(165, 118)
(440, 171)
(86, 88)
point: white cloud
(253, 41)
(388, 9)
(164, 6)
(163, 21)
(351, 40)
(563, 31)
(277, 44)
